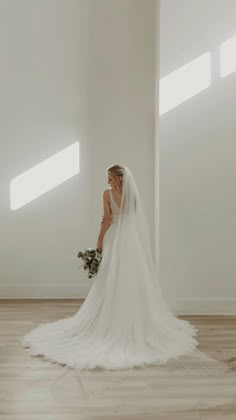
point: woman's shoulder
(106, 193)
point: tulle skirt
(123, 321)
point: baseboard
(204, 306)
(44, 291)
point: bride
(124, 321)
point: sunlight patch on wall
(228, 57)
(44, 176)
(184, 83)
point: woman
(124, 321)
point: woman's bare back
(117, 194)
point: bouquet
(91, 260)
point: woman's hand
(99, 245)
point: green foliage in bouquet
(91, 260)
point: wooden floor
(32, 388)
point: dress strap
(110, 196)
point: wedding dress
(125, 321)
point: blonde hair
(117, 171)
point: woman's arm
(106, 220)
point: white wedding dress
(122, 323)
(125, 322)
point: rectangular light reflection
(228, 57)
(185, 82)
(44, 176)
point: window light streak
(44, 176)
(228, 57)
(185, 82)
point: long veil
(132, 223)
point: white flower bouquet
(91, 260)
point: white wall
(71, 70)
(122, 95)
(197, 163)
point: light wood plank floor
(32, 388)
